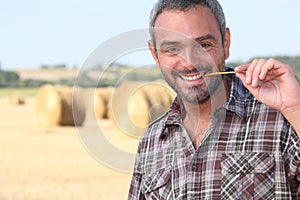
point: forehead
(193, 23)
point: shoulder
(158, 126)
(155, 128)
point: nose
(192, 58)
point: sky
(51, 32)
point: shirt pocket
(158, 184)
(247, 176)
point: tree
(9, 79)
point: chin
(195, 96)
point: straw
(219, 73)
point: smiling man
(224, 137)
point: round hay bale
(78, 106)
(59, 106)
(99, 106)
(136, 104)
(17, 99)
(158, 98)
(102, 99)
(138, 108)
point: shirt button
(247, 168)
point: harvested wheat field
(52, 163)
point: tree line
(10, 79)
(293, 61)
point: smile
(192, 78)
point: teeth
(192, 78)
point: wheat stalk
(219, 73)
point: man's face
(189, 44)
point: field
(6, 92)
(52, 163)
(47, 74)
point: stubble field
(52, 163)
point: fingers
(240, 71)
(254, 74)
(256, 71)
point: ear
(227, 42)
(153, 52)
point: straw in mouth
(218, 73)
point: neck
(206, 108)
(197, 116)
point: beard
(198, 94)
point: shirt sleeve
(293, 160)
(135, 190)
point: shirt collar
(237, 103)
(239, 98)
(176, 112)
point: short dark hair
(184, 5)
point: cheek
(217, 57)
(214, 54)
(167, 71)
(168, 63)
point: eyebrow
(198, 39)
(206, 37)
(168, 43)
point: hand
(272, 83)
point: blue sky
(34, 32)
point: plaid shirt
(249, 152)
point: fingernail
(248, 80)
(261, 76)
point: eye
(172, 50)
(204, 45)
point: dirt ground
(56, 163)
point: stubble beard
(194, 94)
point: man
(224, 137)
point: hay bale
(102, 99)
(17, 99)
(99, 106)
(60, 106)
(136, 104)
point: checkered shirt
(249, 152)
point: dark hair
(184, 5)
